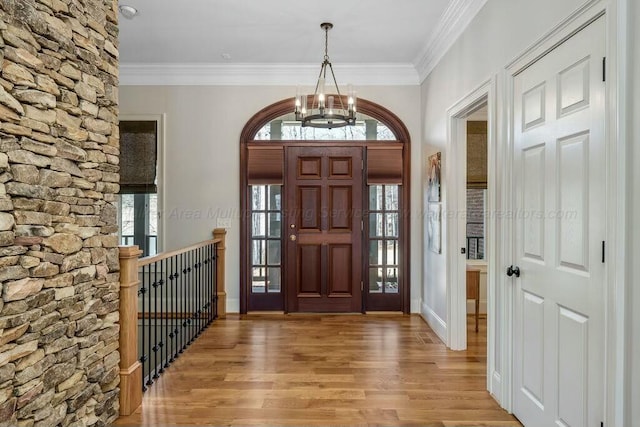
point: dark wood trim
(285, 106)
(369, 108)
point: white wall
(633, 220)
(202, 159)
(502, 30)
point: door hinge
(362, 164)
(603, 251)
(361, 286)
(361, 225)
(604, 69)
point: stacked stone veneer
(59, 157)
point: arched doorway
(325, 213)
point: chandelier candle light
(325, 111)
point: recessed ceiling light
(226, 56)
(128, 12)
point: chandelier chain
(326, 43)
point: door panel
(310, 208)
(559, 188)
(340, 205)
(340, 267)
(324, 237)
(309, 271)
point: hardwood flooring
(323, 370)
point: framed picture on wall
(433, 184)
(434, 227)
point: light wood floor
(323, 370)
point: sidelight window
(384, 236)
(266, 239)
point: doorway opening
(476, 208)
(473, 233)
(325, 221)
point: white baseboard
(415, 305)
(496, 386)
(471, 307)
(434, 321)
(233, 305)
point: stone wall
(59, 159)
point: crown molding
(263, 74)
(452, 23)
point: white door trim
(161, 120)
(456, 167)
(615, 268)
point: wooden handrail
(164, 255)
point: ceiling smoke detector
(128, 12)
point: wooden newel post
(221, 233)
(130, 368)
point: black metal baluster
(174, 304)
(215, 281)
(194, 287)
(183, 293)
(187, 312)
(212, 278)
(176, 316)
(207, 298)
(192, 273)
(196, 298)
(143, 357)
(200, 280)
(147, 278)
(170, 312)
(192, 299)
(155, 320)
(212, 282)
(163, 311)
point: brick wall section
(475, 213)
(59, 156)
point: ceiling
(245, 33)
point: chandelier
(323, 110)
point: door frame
(456, 174)
(285, 106)
(617, 350)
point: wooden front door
(323, 222)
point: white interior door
(559, 185)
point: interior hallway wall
(633, 167)
(502, 30)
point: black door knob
(513, 271)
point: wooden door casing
(248, 139)
(323, 223)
